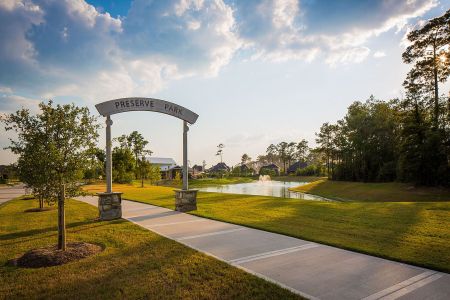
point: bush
(219, 174)
(267, 171)
(311, 170)
(123, 177)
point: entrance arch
(110, 202)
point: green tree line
(402, 139)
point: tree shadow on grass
(379, 229)
(154, 269)
(32, 232)
(154, 216)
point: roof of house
(219, 167)
(271, 166)
(197, 168)
(298, 165)
(161, 160)
(176, 167)
(244, 168)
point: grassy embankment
(297, 178)
(136, 263)
(374, 192)
(198, 183)
(203, 182)
(412, 232)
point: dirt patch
(51, 256)
(39, 209)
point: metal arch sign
(116, 106)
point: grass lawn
(413, 232)
(379, 192)
(197, 183)
(136, 263)
(218, 181)
(298, 178)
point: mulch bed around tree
(41, 209)
(51, 256)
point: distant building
(164, 163)
(219, 168)
(272, 168)
(197, 170)
(171, 173)
(244, 170)
(294, 167)
(167, 166)
(4, 172)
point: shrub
(267, 171)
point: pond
(264, 188)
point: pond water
(264, 188)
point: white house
(164, 163)
(167, 166)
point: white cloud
(287, 36)
(379, 54)
(11, 103)
(52, 48)
(5, 90)
(197, 36)
(347, 56)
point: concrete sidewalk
(8, 193)
(312, 270)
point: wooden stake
(61, 219)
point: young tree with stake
(59, 139)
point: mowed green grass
(378, 192)
(136, 263)
(196, 183)
(412, 232)
(298, 178)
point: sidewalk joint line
(140, 209)
(401, 285)
(268, 254)
(410, 288)
(174, 223)
(211, 234)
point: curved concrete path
(312, 270)
(8, 193)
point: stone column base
(109, 206)
(185, 200)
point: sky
(256, 72)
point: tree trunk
(41, 202)
(436, 90)
(61, 220)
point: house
(245, 170)
(4, 172)
(219, 168)
(294, 167)
(163, 163)
(269, 169)
(171, 173)
(197, 170)
(166, 165)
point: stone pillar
(185, 200)
(109, 206)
